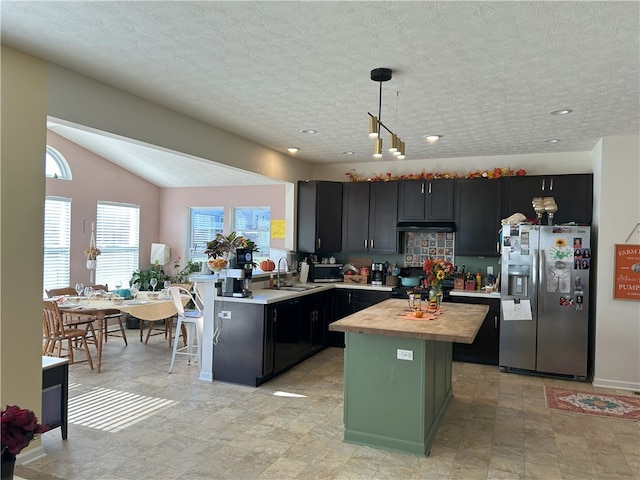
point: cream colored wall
(84, 101)
(23, 113)
(616, 215)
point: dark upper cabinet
(319, 216)
(478, 209)
(424, 200)
(369, 217)
(573, 195)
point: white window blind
(57, 241)
(205, 223)
(117, 237)
(254, 223)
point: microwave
(325, 273)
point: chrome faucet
(286, 264)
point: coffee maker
(233, 284)
(377, 274)
(237, 281)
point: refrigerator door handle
(542, 279)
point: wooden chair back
(52, 320)
(56, 292)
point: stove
(402, 292)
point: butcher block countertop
(457, 323)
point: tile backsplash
(418, 246)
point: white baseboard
(30, 455)
(620, 385)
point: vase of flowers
(19, 427)
(436, 270)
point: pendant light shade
(373, 126)
(377, 148)
(393, 143)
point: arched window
(55, 165)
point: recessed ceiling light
(349, 153)
(432, 138)
(552, 140)
(310, 131)
(562, 111)
(293, 149)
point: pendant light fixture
(396, 145)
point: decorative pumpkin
(267, 265)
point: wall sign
(627, 272)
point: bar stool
(193, 321)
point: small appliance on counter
(233, 284)
(238, 280)
(377, 273)
(325, 272)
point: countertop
(475, 293)
(265, 296)
(458, 323)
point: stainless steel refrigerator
(544, 322)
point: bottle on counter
(478, 280)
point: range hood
(426, 227)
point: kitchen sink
(295, 288)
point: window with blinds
(57, 242)
(205, 223)
(254, 223)
(117, 237)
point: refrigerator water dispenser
(518, 280)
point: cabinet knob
(543, 184)
(365, 243)
(551, 184)
(422, 188)
(429, 188)
(372, 244)
(495, 321)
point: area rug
(591, 403)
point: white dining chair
(193, 320)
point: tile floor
(497, 427)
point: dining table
(145, 306)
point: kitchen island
(397, 372)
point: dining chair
(56, 292)
(111, 314)
(56, 333)
(193, 320)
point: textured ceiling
(485, 75)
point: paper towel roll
(304, 272)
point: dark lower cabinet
(245, 350)
(485, 348)
(55, 393)
(348, 301)
(258, 342)
(313, 323)
(286, 324)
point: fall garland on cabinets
(497, 172)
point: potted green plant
(182, 275)
(143, 277)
